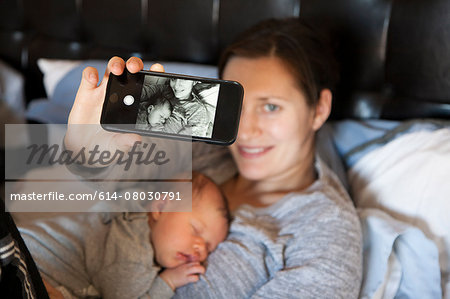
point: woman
(295, 233)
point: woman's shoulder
(329, 185)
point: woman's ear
(323, 108)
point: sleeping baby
(129, 255)
(151, 117)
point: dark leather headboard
(394, 54)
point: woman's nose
(248, 125)
(178, 83)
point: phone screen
(177, 106)
(173, 106)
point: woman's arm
(84, 134)
(197, 118)
(324, 261)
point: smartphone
(173, 106)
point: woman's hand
(183, 274)
(84, 130)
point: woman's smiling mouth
(253, 152)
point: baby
(130, 255)
(158, 113)
(153, 117)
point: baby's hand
(183, 274)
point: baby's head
(182, 237)
(159, 112)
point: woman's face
(182, 88)
(276, 131)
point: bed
(388, 137)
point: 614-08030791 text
(141, 195)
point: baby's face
(158, 114)
(183, 237)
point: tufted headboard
(394, 54)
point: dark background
(394, 54)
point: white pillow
(12, 91)
(409, 178)
(62, 78)
(54, 70)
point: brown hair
(306, 52)
(199, 181)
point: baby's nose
(200, 250)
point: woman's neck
(268, 191)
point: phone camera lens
(128, 100)
(113, 98)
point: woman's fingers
(89, 81)
(91, 94)
(116, 65)
(89, 78)
(88, 106)
(157, 67)
(81, 112)
(135, 65)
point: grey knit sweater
(307, 245)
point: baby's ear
(149, 109)
(154, 216)
(157, 208)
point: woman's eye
(271, 107)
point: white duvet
(409, 178)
